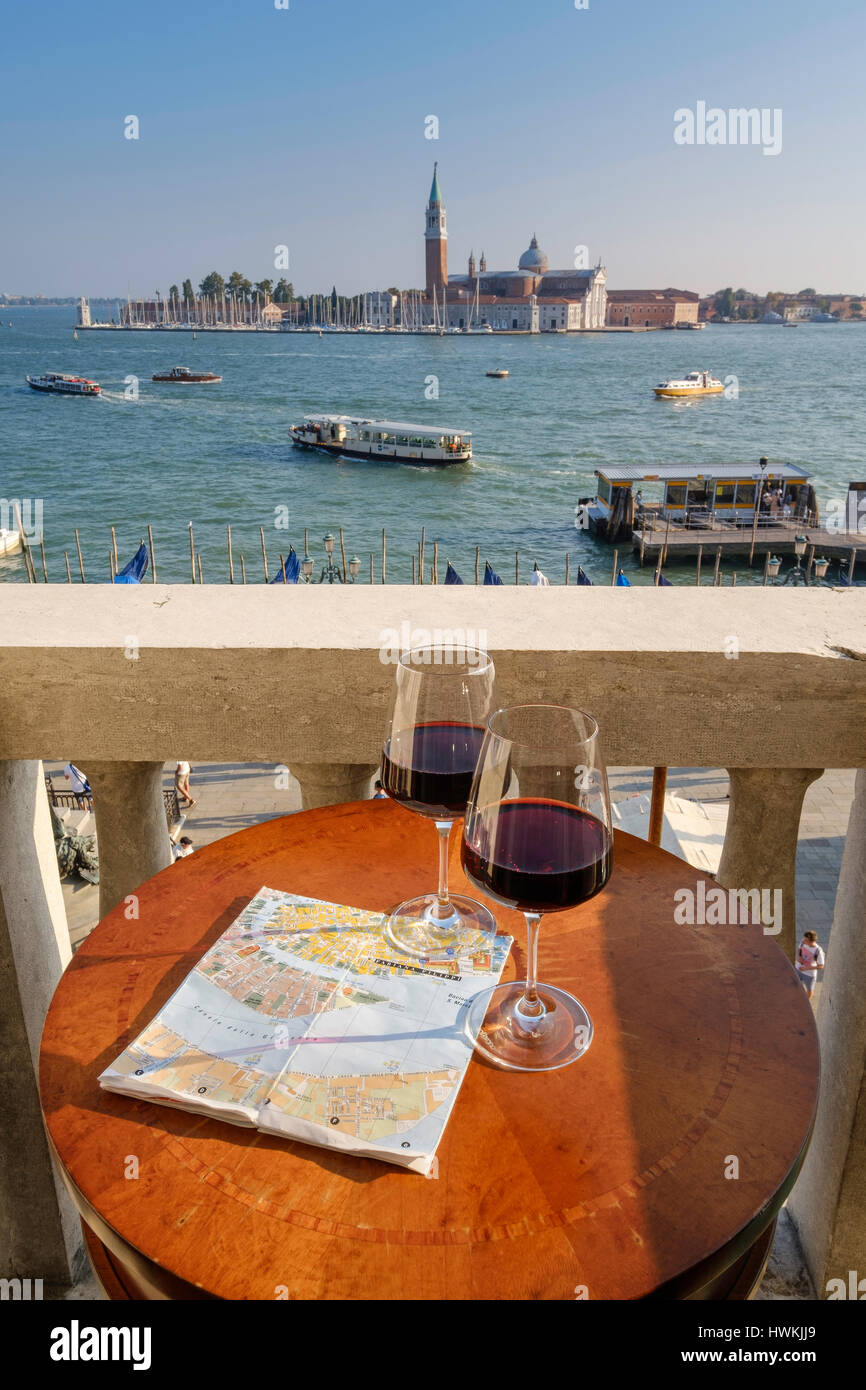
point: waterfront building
(531, 299)
(651, 308)
(379, 309)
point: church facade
(530, 299)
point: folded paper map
(304, 1021)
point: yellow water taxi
(695, 384)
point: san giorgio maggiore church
(532, 299)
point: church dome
(533, 261)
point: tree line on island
(238, 288)
(748, 304)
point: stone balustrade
(770, 684)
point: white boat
(351, 437)
(695, 384)
(10, 541)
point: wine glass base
(510, 1038)
(416, 930)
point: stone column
(327, 784)
(131, 827)
(760, 849)
(40, 1236)
(829, 1200)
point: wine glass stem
(443, 901)
(530, 1003)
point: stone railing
(769, 684)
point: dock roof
(672, 472)
(395, 426)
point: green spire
(435, 191)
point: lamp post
(797, 575)
(330, 573)
(763, 464)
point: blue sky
(306, 127)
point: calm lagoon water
(220, 455)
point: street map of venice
(304, 1021)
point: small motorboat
(695, 384)
(185, 377)
(59, 384)
(133, 573)
(499, 374)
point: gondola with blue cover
(490, 575)
(451, 575)
(290, 570)
(134, 572)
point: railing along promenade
(769, 684)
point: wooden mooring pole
(78, 548)
(152, 555)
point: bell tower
(436, 239)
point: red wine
(429, 767)
(545, 855)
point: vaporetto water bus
(60, 384)
(351, 437)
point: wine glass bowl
(442, 699)
(537, 837)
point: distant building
(83, 313)
(378, 309)
(436, 239)
(651, 308)
(533, 298)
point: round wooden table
(654, 1165)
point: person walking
(810, 959)
(78, 782)
(181, 782)
(183, 848)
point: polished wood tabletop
(652, 1166)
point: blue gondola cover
(582, 577)
(291, 570)
(134, 572)
(622, 582)
(490, 575)
(451, 575)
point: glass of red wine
(537, 837)
(443, 697)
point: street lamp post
(797, 575)
(330, 573)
